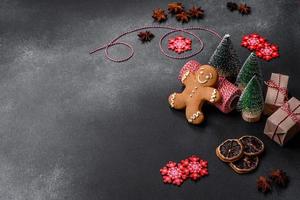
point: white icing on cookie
(172, 100)
(194, 116)
(213, 96)
(185, 75)
(207, 77)
(193, 91)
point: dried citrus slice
(245, 165)
(230, 150)
(252, 145)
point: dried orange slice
(230, 150)
(252, 145)
(245, 165)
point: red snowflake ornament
(180, 44)
(268, 51)
(174, 173)
(253, 41)
(197, 167)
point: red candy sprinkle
(253, 41)
(197, 167)
(263, 49)
(268, 52)
(174, 173)
(180, 44)
(192, 167)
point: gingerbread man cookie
(199, 87)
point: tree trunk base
(249, 117)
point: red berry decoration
(253, 41)
(268, 51)
(180, 44)
(196, 167)
(174, 173)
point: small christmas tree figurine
(225, 59)
(249, 69)
(251, 101)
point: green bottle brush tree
(248, 70)
(225, 59)
(251, 101)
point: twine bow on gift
(286, 107)
(282, 90)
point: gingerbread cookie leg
(193, 114)
(176, 101)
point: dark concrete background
(75, 126)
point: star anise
(196, 12)
(159, 15)
(232, 6)
(244, 9)
(175, 7)
(146, 36)
(263, 184)
(279, 177)
(183, 17)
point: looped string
(282, 90)
(189, 30)
(286, 107)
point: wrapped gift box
(276, 93)
(284, 124)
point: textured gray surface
(75, 126)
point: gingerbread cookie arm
(177, 101)
(187, 77)
(193, 113)
(212, 95)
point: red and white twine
(171, 29)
